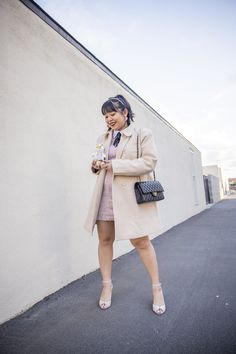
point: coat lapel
(107, 142)
(125, 136)
(120, 148)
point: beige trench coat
(131, 220)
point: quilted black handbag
(147, 191)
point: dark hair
(118, 104)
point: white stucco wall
(50, 119)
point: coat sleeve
(137, 167)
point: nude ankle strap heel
(105, 304)
(158, 309)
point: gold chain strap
(139, 135)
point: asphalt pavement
(197, 263)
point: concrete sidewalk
(197, 261)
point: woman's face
(116, 120)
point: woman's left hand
(107, 166)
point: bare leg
(106, 234)
(148, 256)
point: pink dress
(105, 211)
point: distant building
(232, 185)
(215, 183)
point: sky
(179, 56)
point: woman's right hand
(97, 166)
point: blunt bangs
(109, 106)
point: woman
(113, 206)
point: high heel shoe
(105, 304)
(158, 309)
